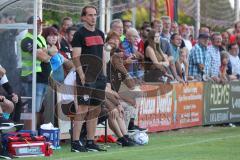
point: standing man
(43, 67)
(87, 46)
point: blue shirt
(215, 60)
(199, 55)
(175, 52)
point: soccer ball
(141, 138)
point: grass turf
(199, 143)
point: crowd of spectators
(160, 51)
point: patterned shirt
(215, 60)
(198, 56)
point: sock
(131, 123)
(90, 141)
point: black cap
(203, 35)
(30, 20)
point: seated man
(10, 95)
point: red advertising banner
(188, 105)
(166, 106)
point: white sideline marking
(153, 148)
(218, 109)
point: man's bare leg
(78, 121)
(92, 119)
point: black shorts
(92, 93)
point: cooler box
(53, 136)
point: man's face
(70, 36)
(39, 27)
(217, 40)
(177, 41)
(146, 31)
(158, 27)
(67, 24)
(234, 50)
(204, 41)
(118, 27)
(185, 31)
(237, 29)
(174, 28)
(91, 17)
(225, 38)
(166, 25)
(127, 25)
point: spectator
(66, 23)
(88, 45)
(234, 61)
(174, 28)
(10, 95)
(65, 44)
(225, 41)
(131, 55)
(224, 67)
(43, 67)
(214, 51)
(145, 29)
(185, 33)
(183, 60)
(157, 26)
(166, 21)
(126, 25)
(199, 59)
(236, 28)
(176, 41)
(117, 26)
(156, 62)
(57, 61)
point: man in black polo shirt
(87, 57)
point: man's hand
(129, 60)
(121, 111)
(52, 50)
(2, 71)
(82, 78)
(2, 98)
(201, 67)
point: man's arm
(76, 53)
(27, 46)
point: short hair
(236, 23)
(215, 34)
(155, 21)
(126, 20)
(145, 25)
(173, 36)
(115, 21)
(167, 18)
(231, 44)
(84, 10)
(65, 19)
(112, 34)
(224, 54)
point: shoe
(91, 146)
(125, 142)
(5, 155)
(77, 146)
(136, 128)
(111, 139)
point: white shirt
(235, 62)
(188, 44)
(3, 79)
